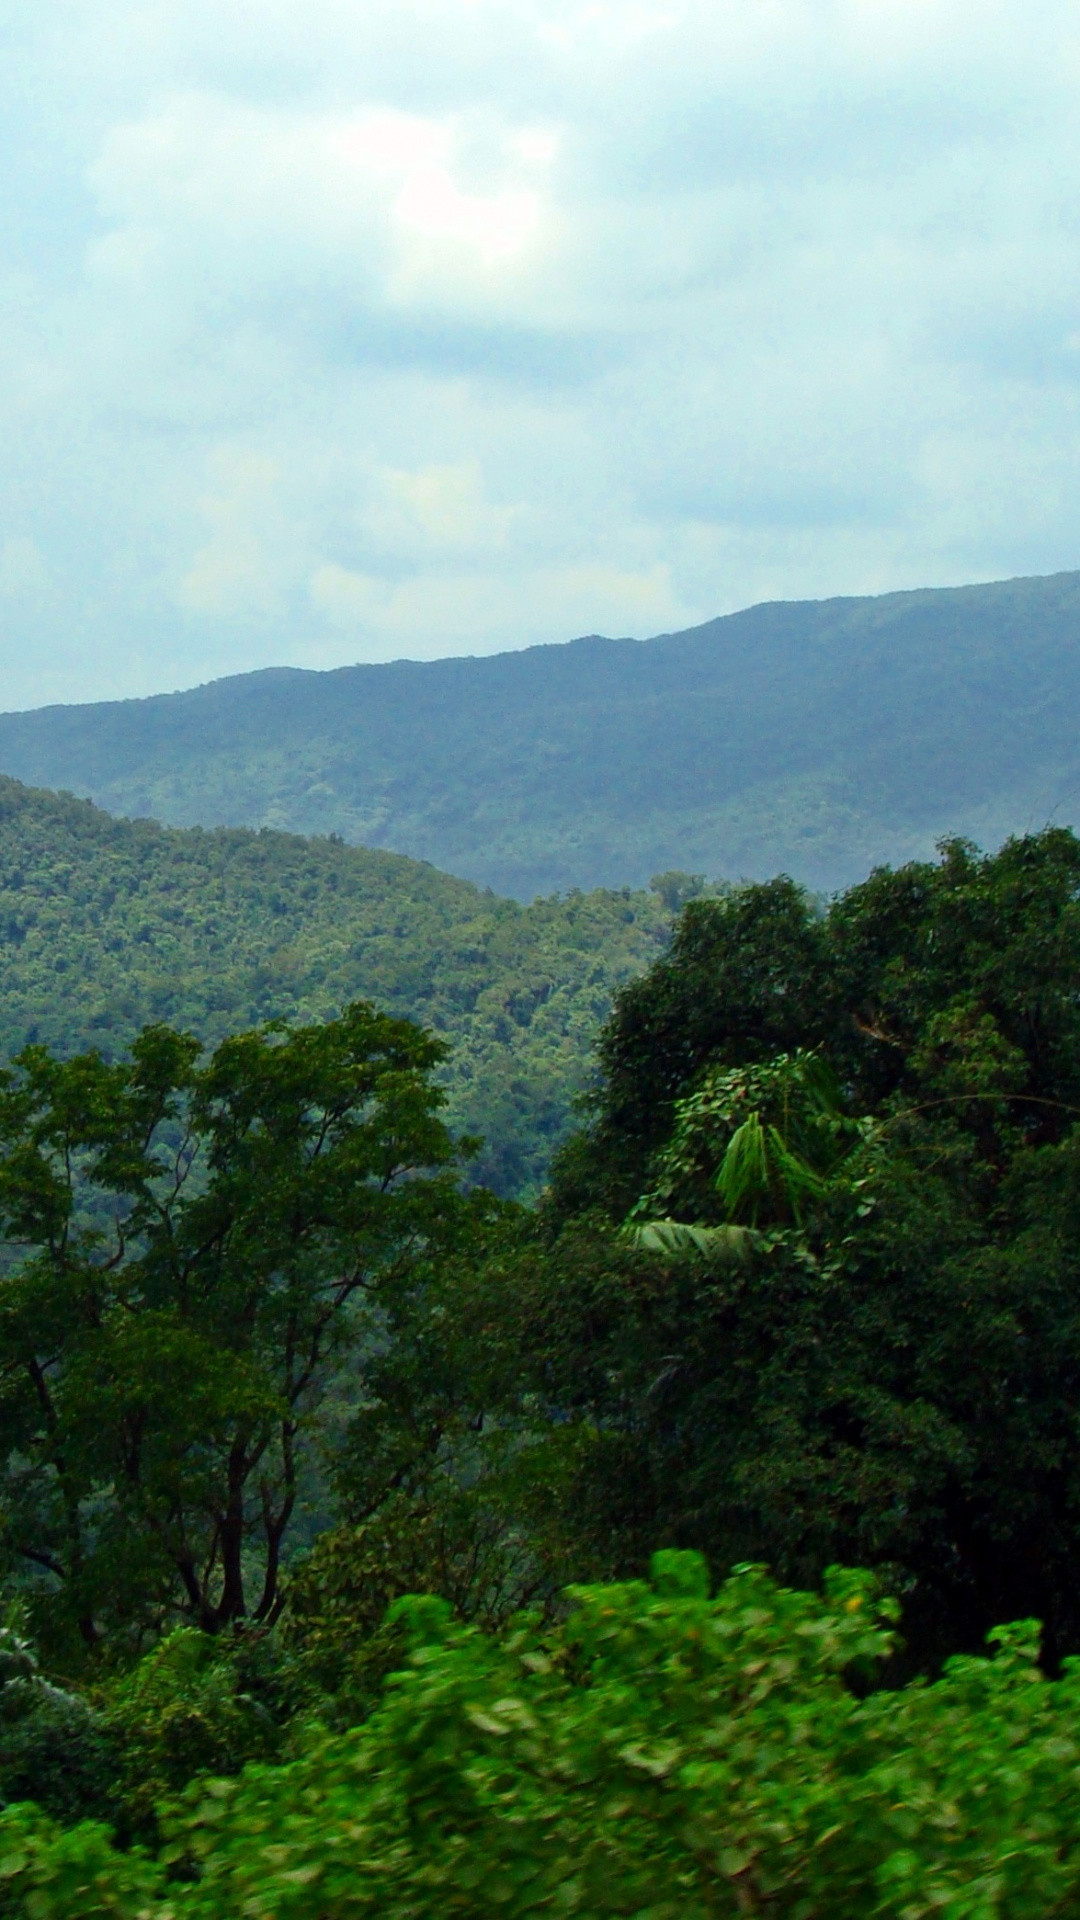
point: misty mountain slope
(818, 737)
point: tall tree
(842, 1320)
(189, 1248)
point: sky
(347, 330)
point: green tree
(745, 978)
(928, 964)
(878, 1361)
(753, 1144)
(192, 1250)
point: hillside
(106, 924)
(816, 737)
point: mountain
(107, 924)
(818, 737)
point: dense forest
(817, 738)
(107, 924)
(700, 1539)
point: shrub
(661, 1753)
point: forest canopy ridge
(108, 924)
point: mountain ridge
(821, 737)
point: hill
(816, 737)
(106, 924)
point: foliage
(883, 1367)
(753, 1143)
(932, 981)
(196, 1703)
(193, 1248)
(742, 982)
(440, 1540)
(659, 1753)
(806, 1290)
(53, 1748)
(673, 1238)
(107, 925)
(451, 1476)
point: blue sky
(337, 330)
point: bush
(54, 1749)
(198, 1703)
(661, 1753)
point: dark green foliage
(194, 1249)
(887, 1370)
(197, 1703)
(54, 1749)
(442, 1539)
(756, 1144)
(905, 982)
(106, 925)
(746, 977)
(813, 738)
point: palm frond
(674, 1240)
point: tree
(917, 965)
(746, 977)
(841, 1319)
(191, 1250)
(755, 1143)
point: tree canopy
(108, 925)
(330, 1479)
(191, 1245)
(880, 1364)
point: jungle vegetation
(702, 1538)
(106, 925)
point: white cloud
(333, 332)
(236, 201)
(436, 509)
(445, 611)
(237, 570)
(351, 600)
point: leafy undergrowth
(660, 1753)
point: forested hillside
(704, 1541)
(816, 738)
(107, 924)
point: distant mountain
(107, 924)
(818, 737)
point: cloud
(236, 570)
(237, 202)
(439, 509)
(335, 332)
(445, 610)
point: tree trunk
(230, 1606)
